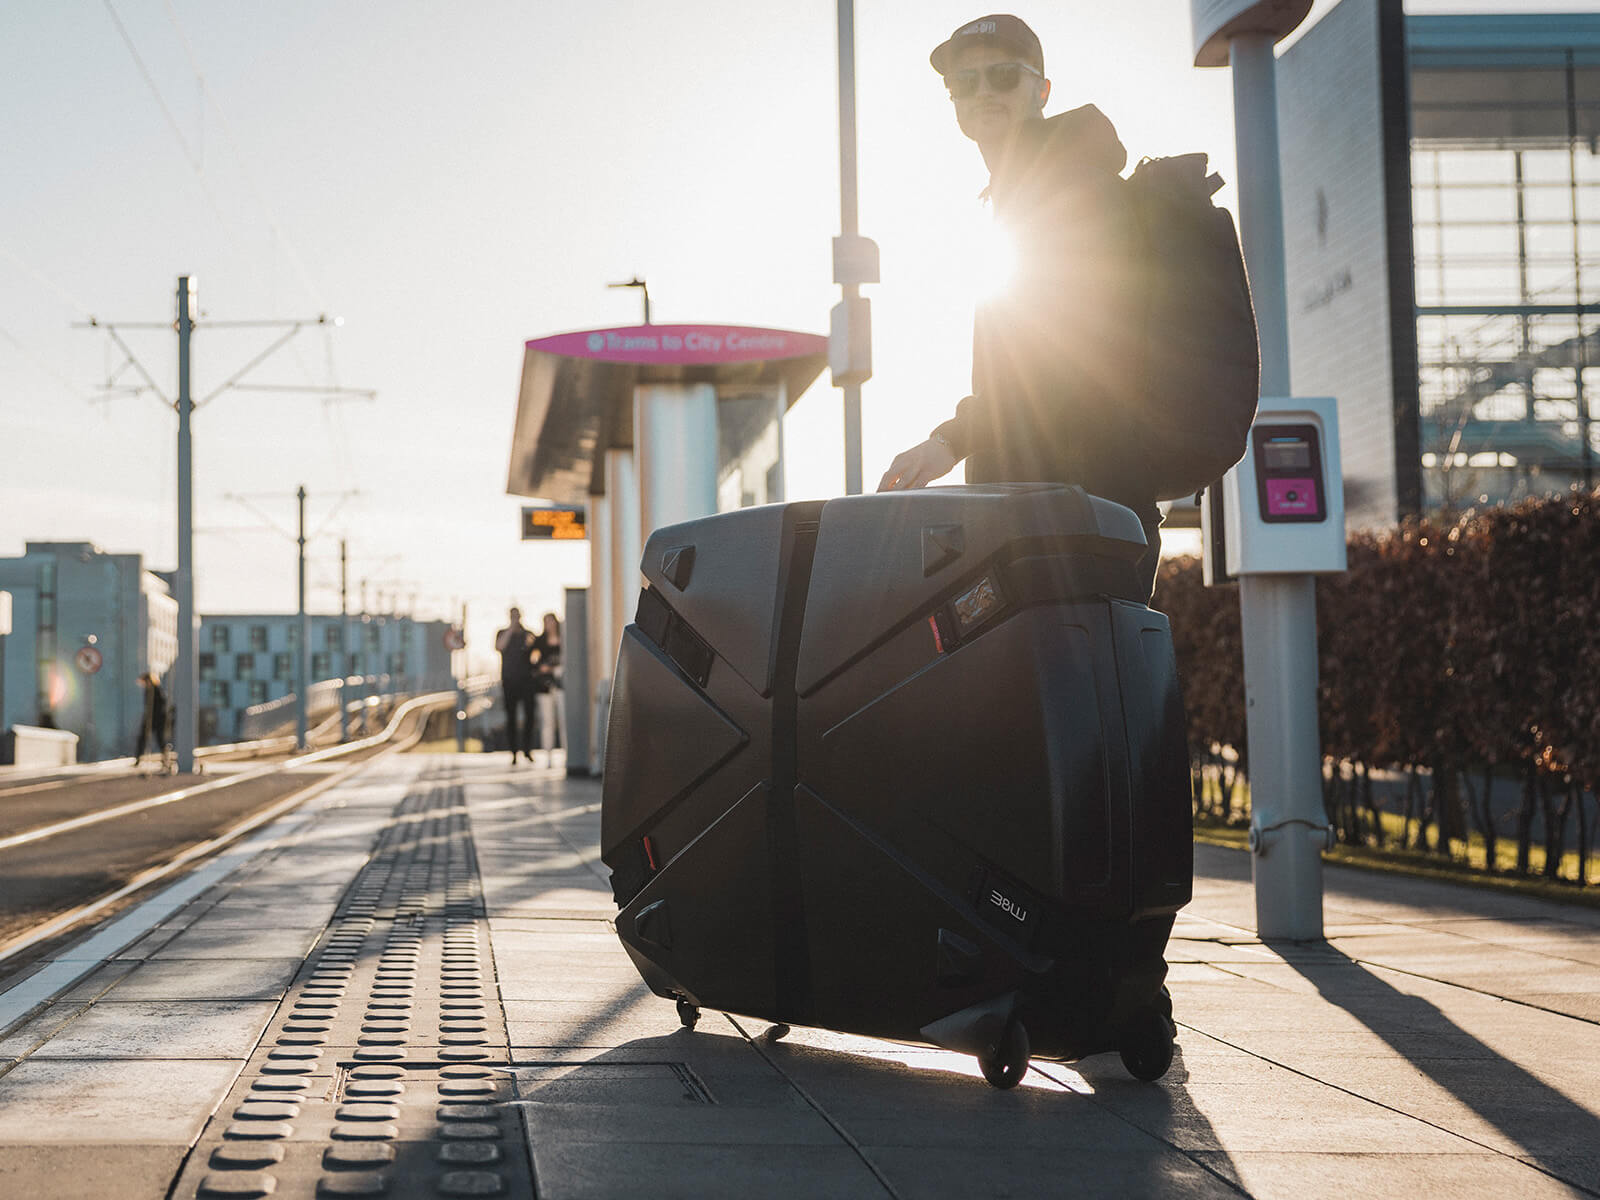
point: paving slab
(419, 981)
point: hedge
(1456, 653)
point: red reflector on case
(650, 855)
(938, 642)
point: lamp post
(855, 261)
(644, 287)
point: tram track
(60, 869)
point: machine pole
(344, 638)
(302, 670)
(849, 226)
(186, 685)
(1278, 612)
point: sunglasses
(1001, 78)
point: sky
(449, 181)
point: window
(258, 637)
(282, 666)
(321, 665)
(220, 638)
(372, 639)
(294, 636)
(397, 663)
(333, 637)
(208, 725)
(258, 691)
(244, 666)
(208, 666)
(221, 693)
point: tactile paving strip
(383, 1071)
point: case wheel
(777, 1031)
(1147, 1046)
(1009, 1063)
(688, 1014)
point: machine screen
(1288, 454)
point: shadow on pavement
(1541, 1123)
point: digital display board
(556, 522)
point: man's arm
(920, 465)
(502, 640)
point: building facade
(247, 661)
(69, 596)
(1442, 233)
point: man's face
(989, 117)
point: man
(515, 644)
(1052, 355)
(153, 724)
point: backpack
(1194, 392)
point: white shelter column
(623, 579)
(675, 443)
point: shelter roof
(576, 397)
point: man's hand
(918, 467)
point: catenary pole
(849, 226)
(302, 672)
(184, 674)
(186, 687)
(344, 638)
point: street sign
(556, 522)
(88, 659)
(454, 639)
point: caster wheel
(1010, 1060)
(777, 1032)
(1147, 1046)
(688, 1013)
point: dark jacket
(1051, 351)
(516, 660)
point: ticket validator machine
(1274, 523)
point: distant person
(550, 697)
(517, 683)
(154, 723)
(1060, 387)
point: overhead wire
(331, 416)
(190, 157)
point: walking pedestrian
(517, 684)
(153, 722)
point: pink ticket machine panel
(1290, 482)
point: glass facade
(1505, 190)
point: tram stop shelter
(647, 426)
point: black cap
(998, 29)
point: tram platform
(407, 986)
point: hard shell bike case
(908, 765)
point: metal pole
(1255, 115)
(303, 658)
(186, 687)
(1278, 612)
(344, 639)
(461, 692)
(848, 224)
(1585, 444)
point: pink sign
(683, 344)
